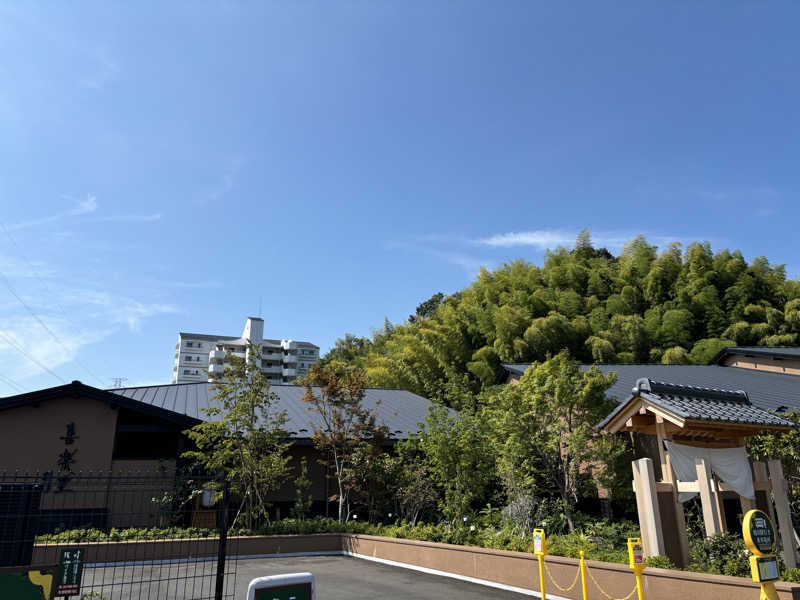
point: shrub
(600, 540)
(792, 575)
(659, 562)
(723, 554)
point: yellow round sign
(759, 533)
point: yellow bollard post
(540, 550)
(636, 557)
(759, 536)
(584, 588)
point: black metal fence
(123, 536)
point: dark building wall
(31, 436)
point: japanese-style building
(689, 424)
(60, 432)
(700, 436)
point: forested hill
(680, 306)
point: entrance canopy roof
(692, 412)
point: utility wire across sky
(33, 313)
(33, 359)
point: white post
(708, 498)
(644, 480)
(781, 497)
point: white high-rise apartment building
(201, 357)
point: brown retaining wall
(520, 569)
(103, 552)
(516, 569)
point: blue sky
(164, 167)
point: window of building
(187, 371)
(189, 344)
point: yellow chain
(555, 583)
(602, 591)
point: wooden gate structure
(703, 418)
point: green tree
(642, 304)
(427, 308)
(704, 350)
(458, 454)
(784, 446)
(676, 328)
(544, 431)
(343, 424)
(303, 499)
(413, 487)
(676, 355)
(373, 476)
(244, 436)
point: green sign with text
(70, 571)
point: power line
(12, 384)
(45, 327)
(22, 351)
(41, 280)
(53, 297)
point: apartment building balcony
(272, 369)
(216, 369)
(289, 358)
(289, 372)
(216, 355)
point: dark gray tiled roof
(516, 368)
(769, 391)
(707, 404)
(701, 403)
(400, 410)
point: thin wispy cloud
(546, 239)
(231, 169)
(84, 207)
(463, 251)
(541, 239)
(81, 207)
(84, 314)
(469, 263)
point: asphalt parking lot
(336, 577)
(344, 578)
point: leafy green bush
(600, 540)
(723, 554)
(659, 562)
(792, 575)
(123, 535)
